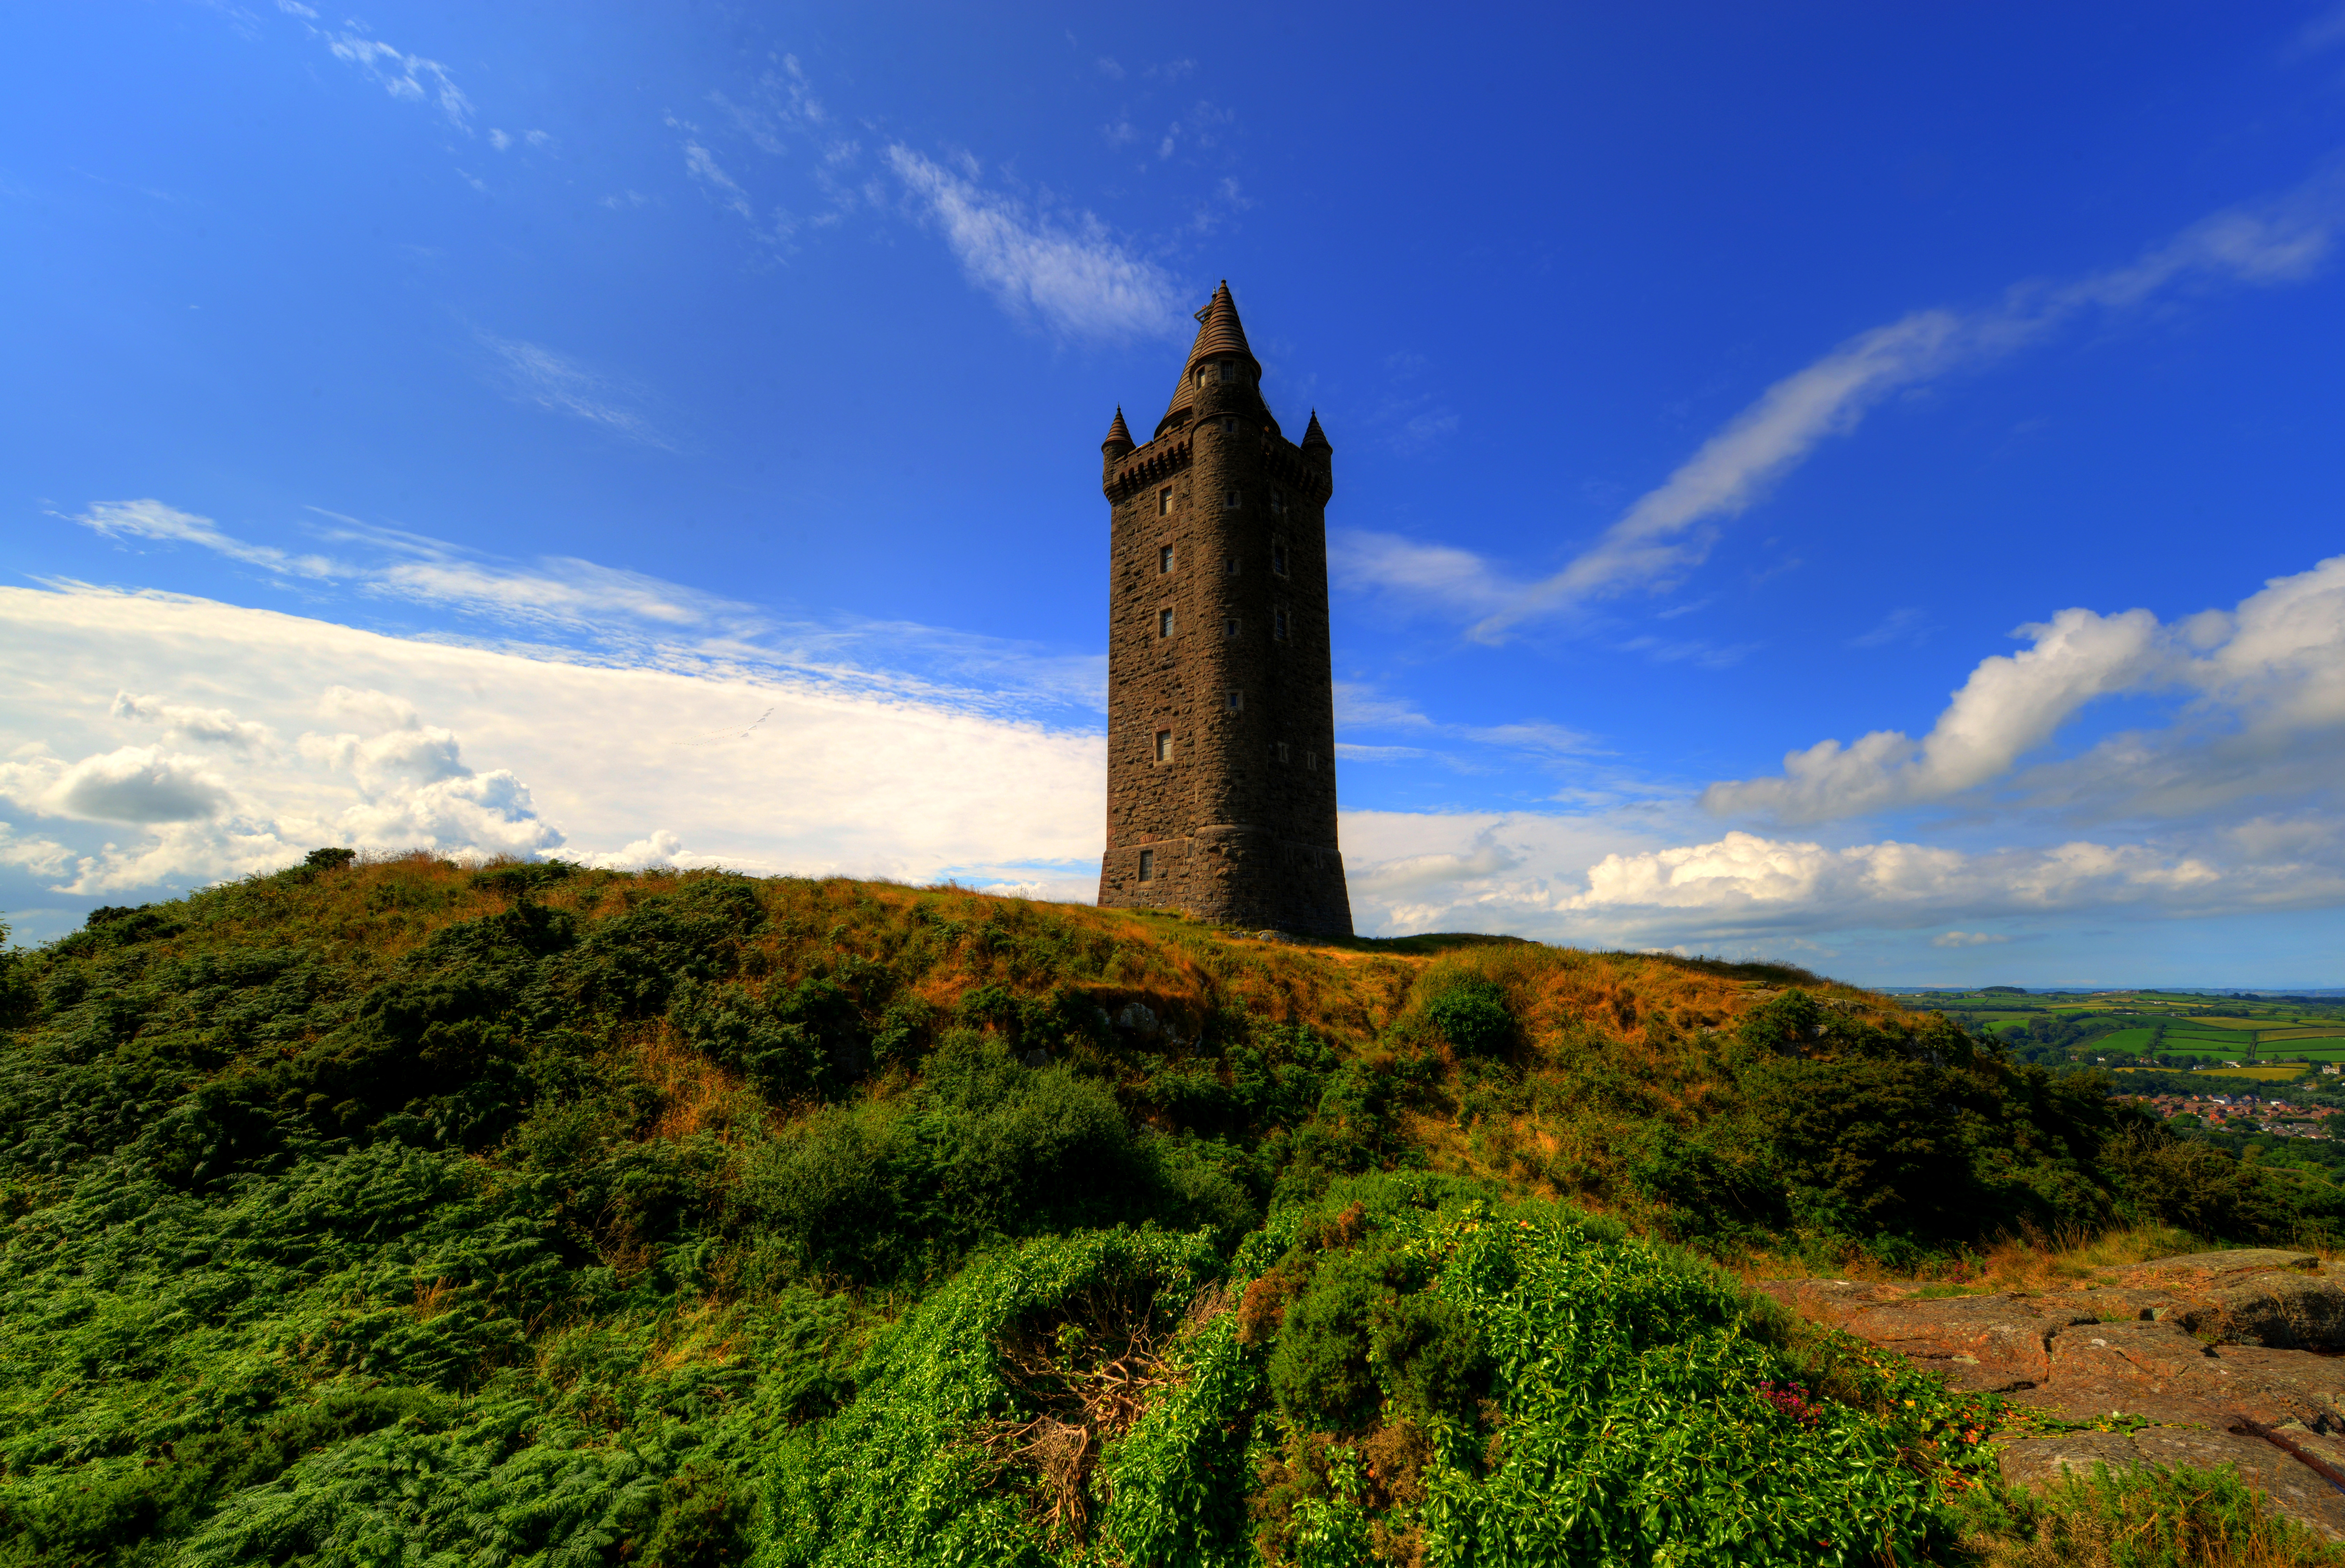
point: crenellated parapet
(1151, 464)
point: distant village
(2245, 1113)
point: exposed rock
(2284, 1310)
(2210, 1349)
(1982, 1343)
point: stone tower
(1221, 763)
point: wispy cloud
(1077, 280)
(1908, 624)
(402, 75)
(589, 609)
(153, 520)
(1670, 530)
(534, 374)
(700, 164)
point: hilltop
(526, 1212)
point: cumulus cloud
(1078, 279)
(1556, 878)
(136, 784)
(1670, 530)
(191, 725)
(2265, 684)
(659, 848)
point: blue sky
(1848, 483)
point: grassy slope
(531, 1215)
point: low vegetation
(528, 1214)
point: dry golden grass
(2034, 1262)
(695, 1093)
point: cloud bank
(395, 744)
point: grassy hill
(532, 1213)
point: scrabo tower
(1220, 765)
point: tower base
(1233, 875)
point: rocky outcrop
(2222, 1358)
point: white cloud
(1670, 530)
(1079, 281)
(2267, 713)
(1582, 880)
(1965, 939)
(635, 615)
(534, 374)
(470, 751)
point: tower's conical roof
(1219, 332)
(1119, 433)
(1314, 436)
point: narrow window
(1229, 425)
(1311, 760)
(1163, 559)
(1225, 371)
(1230, 567)
(1230, 500)
(1237, 701)
(1147, 865)
(1163, 745)
(1230, 627)
(1164, 622)
(1281, 751)
(1277, 624)
(1278, 503)
(1164, 501)
(1278, 556)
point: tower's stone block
(1221, 772)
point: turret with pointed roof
(1220, 700)
(1119, 437)
(1221, 341)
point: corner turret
(1119, 441)
(1315, 443)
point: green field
(2129, 1040)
